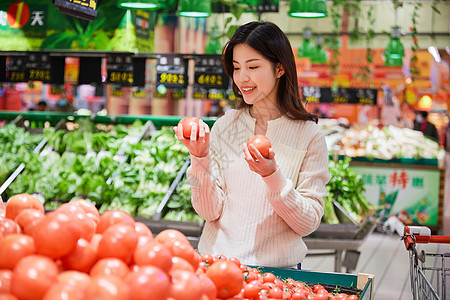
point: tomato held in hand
(187, 124)
(261, 143)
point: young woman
(259, 209)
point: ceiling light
(194, 8)
(139, 4)
(308, 8)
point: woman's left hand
(259, 164)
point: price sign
(39, 67)
(311, 94)
(171, 71)
(120, 69)
(209, 73)
(340, 95)
(84, 9)
(199, 93)
(16, 70)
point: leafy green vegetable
(346, 188)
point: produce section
(77, 251)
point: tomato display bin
(361, 281)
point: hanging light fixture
(308, 8)
(394, 51)
(194, 8)
(139, 4)
(307, 48)
(320, 55)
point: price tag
(340, 95)
(120, 69)
(171, 71)
(16, 70)
(84, 9)
(39, 67)
(209, 73)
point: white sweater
(260, 220)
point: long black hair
(268, 39)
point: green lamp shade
(394, 53)
(194, 8)
(308, 8)
(306, 49)
(139, 4)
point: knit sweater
(260, 220)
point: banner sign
(84, 9)
(171, 71)
(209, 73)
(120, 69)
(16, 68)
(340, 95)
(410, 194)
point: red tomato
(28, 218)
(142, 229)
(318, 287)
(35, 272)
(107, 287)
(250, 276)
(207, 258)
(89, 208)
(208, 287)
(352, 297)
(118, 241)
(19, 202)
(81, 258)
(341, 296)
(268, 277)
(300, 295)
(168, 236)
(56, 235)
(187, 124)
(112, 217)
(64, 291)
(185, 286)
(227, 277)
(148, 283)
(219, 257)
(7, 297)
(261, 143)
(5, 281)
(235, 261)
(87, 225)
(185, 251)
(110, 266)
(276, 293)
(179, 263)
(8, 226)
(13, 248)
(75, 278)
(251, 290)
(154, 254)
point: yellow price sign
(172, 78)
(39, 75)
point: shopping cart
(428, 280)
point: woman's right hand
(197, 146)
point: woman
(259, 209)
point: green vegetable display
(16, 146)
(346, 188)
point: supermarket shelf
(54, 117)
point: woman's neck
(263, 114)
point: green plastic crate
(363, 282)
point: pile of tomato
(75, 253)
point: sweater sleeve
(207, 184)
(301, 206)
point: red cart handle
(422, 235)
